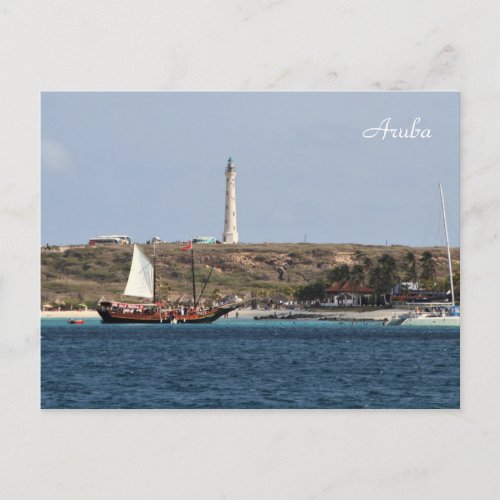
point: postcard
(250, 250)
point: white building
(230, 234)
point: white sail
(140, 279)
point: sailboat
(434, 314)
(142, 283)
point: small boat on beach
(142, 283)
(72, 321)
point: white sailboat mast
(447, 245)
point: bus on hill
(205, 240)
(114, 239)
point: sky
(150, 164)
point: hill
(85, 274)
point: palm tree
(339, 274)
(357, 275)
(411, 272)
(456, 284)
(367, 265)
(411, 268)
(384, 275)
(358, 278)
(389, 265)
(428, 265)
(376, 280)
(367, 270)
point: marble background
(278, 45)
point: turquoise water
(249, 364)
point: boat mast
(192, 273)
(447, 245)
(154, 272)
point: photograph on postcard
(266, 250)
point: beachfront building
(347, 294)
(230, 234)
(411, 292)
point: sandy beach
(377, 315)
(69, 314)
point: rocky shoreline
(320, 317)
(304, 314)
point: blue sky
(152, 164)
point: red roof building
(347, 294)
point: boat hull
(109, 316)
(114, 317)
(209, 317)
(432, 321)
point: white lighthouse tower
(230, 234)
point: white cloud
(55, 156)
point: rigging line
(204, 285)
(430, 229)
(194, 282)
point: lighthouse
(230, 234)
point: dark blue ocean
(249, 364)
